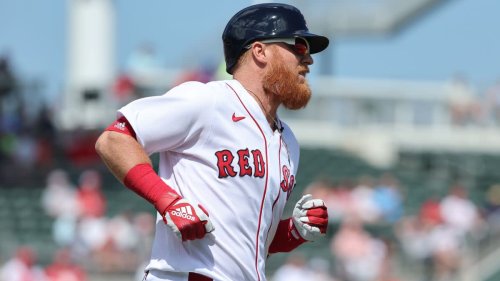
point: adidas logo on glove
(183, 212)
(188, 222)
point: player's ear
(260, 53)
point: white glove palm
(310, 218)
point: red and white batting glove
(187, 221)
(310, 218)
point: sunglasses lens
(301, 47)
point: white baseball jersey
(217, 149)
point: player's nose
(307, 59)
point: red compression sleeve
(121, 125)
(143, 180)
(283, 239)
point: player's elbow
(110, 144)
(101, 143)
(104, 144)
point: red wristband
(144, 181)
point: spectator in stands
(388, 198)
(118, 253)
(25, 151)
(22, 267)
(79, 150)
(59, 202)
(430, 238)
(90, 239)
(122, 232)
(462, 224)
(430, 211)
(144, 223)
(59, 195)
(463, 101)
(358, 255)
(492, 208)
(491, 104)
(363, 197)
(447, 252)
(338, 200)
(414, 235)
(44, 124)
(64, 269)
(320, 269)
(294, 269)
(458, 211)
(46, 138)
(319, 188)
(92, 223)
(91, 200)
(8, 81)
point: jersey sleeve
(174, 120)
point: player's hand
(188, 222)
(310, 218)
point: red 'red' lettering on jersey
(288, 181)
(225, 159)
(258, 162)
(245, 169)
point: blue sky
(460, 36)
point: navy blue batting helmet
(264, 21)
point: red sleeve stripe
(121, 125)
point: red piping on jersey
(279, 193)
(265, 186)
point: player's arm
(120, 151)
(308, 223)
(130, 164)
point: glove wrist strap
(294, 232)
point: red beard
(283, 82)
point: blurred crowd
(23, 267)
(86, 238)
(435, 243)
(470, 107)
(100, 242)
(372, 236)
(30, 141)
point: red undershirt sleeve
(283, 240)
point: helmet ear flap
(265, 21)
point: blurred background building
(401, 138)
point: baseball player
(227, 162)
